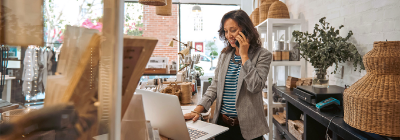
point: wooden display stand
(133, 125)
(137, 52)
(79, 67)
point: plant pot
(320, 78)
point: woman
(239, 78)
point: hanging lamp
(154, 2)
(165, 10)
(196, 8)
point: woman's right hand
(192, 116)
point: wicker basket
(264, 7)
(372, 104)
(256, 16)
(251, 18)
(154, 2)
(165, 10)
(186, 96)
(278, 10)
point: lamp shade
(154, 2)
(372, 104)
(171, 44)
(165, 10)
(196, 8)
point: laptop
(165, 113)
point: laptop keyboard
(195, 134)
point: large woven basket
(251, 18)
(256, 16)
(264, 7)
(278, 10)
(154, 2)
(165, 10)
(372, 104)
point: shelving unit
(284, 130)
(274, 104)
(278, 27)
(316, 122)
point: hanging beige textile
(165, 10)
(154, 2)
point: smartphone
(237, 42)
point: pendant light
(196, 8)
(153, 2)
(165, 10)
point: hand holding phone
(237, 42)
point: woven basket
(256, 17)
(154, 2)
(264, 7)
(165, 10)
(372, 104)
(278, 10)
(251, 18)
(186, 96)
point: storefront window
(133, 19)
(204, 33)
(142, 20)
(50, 56)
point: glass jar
(320, 78)
(277, 52)
(294, 51)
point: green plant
(324, 47)
(210, 80)
(200, 70)
(210, 46)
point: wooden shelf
(280, 22)
(160, 74)
(286, 63)
(315, 120)
(283, 130)
(275, 104)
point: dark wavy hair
(246, 24)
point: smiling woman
(239, 77)
(234, 22)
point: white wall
(247, 6)
(370, 20)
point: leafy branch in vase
(325, 47)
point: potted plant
(200, 72)
(325, 47)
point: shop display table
(316, 122)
